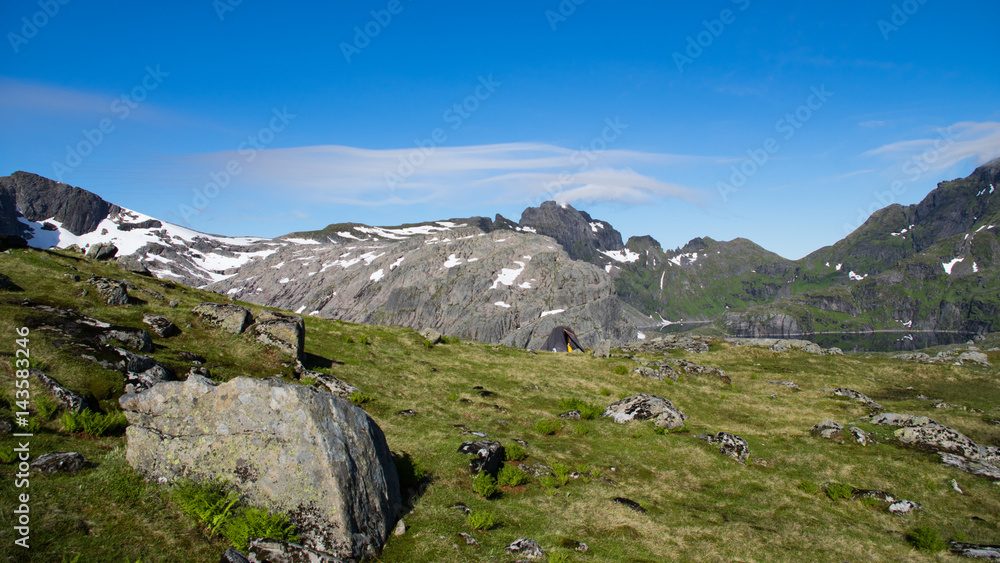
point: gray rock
(630, 504)
(730, 445)
(489, 456)
(41, 199)
(975, 467)
(852, 394)
(132, 264)
(673, 341)
(5, 427)
(68, 399)
(896, 419)
(979, 551)
(282, 446)
(63, 462)
(573, 230)
(903, 506)
(102, 251)
(828, 429)
(974, 357)
(572, 415)
(788, 384)
(161, 326)
(860, 436)
(233, 556)
(400, 528)
(266, 550)
(134, 338)
(114, 291)
(644, 406)
(233, 318)
(431, 335)
(284, 331)
(602, 349)
(332, 384)
(527, 548)
(913, 357)
(469, 540)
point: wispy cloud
(872, 124)
(943, 147)
(494, 173)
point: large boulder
(102, 251)
(162, 326)
(644, 406)
(132, 264)
(284, 447)
(233, 318)
(114, 291)
(282, 330)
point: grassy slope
(702, 506)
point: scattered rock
(860, 436)
(974, 357)
(777, 344)
(332, 384)
(233, 555)
(602, 349)
(852, 394)
(64, 462)
(161, 326)
(62, 395)
(432, 336)
(572, 415)
(173, 304)
(190, 357)
(5, 427)
(976, 550)
(954, 485)
(644, 406)
(883, 496)
(691, 368)
(529, 549)
(489, 456)
(282, 330)
(233, 318)
(974, 467)
(114, 291)
(266, 550)
(134, 338)
(955, 449)
(462, 507)
(903, 507)
(344, 497)
(400, 528)
(630, 504)
(788, 384)
(729, 445)
(828, 429)
(469, 540)
(132, 264)
(407, 412)
(102, 251)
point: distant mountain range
(929, 266)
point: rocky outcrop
(857, 396)
(828, 429)
(283, 331)
(39, 198)
(113, 291)
(284, 447)
(489, 456)
(161, 326)
(581, 236)
(66, 398)
(526, 548)
(955, 448)
(233, 318)
(730, 445)
(102, 251)
(644, 406)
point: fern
(252, 522)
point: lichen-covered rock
(489, 456)
(284, 447)
(644, 406)
(161, 326)
(955, 449)
(903, 506)
(975, 467)
(233, 556)
(233, 318)
(432, 336)
(132, 264)
(526, 548)
(102, 251)
(134, 338)
(266, 550)
(113, 291)
(282, 330)
(332, 384)
(857, 396)
(974, 357)
(68, 399)
(730, 445)
(828, 429)
(602, 349)
(62, 462)
(980, 551)
(790, 384)
(860, 436)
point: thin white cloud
(943, 148)
(487, 173)
(872, 124)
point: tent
(562, 339)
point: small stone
(828, 429)
(954, 485)
(233, 555)
(469, 540)
(65, 462)
(527, 548)
(400, 528)
(407, 412)
(903, 507)
(572, 415)
(630, 504)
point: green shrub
(482, 520)
(808, 487)
(484, 484)
(7, 454)
(452, 396)
(364, 340)
(587, 411)
(46, 406)
(348, 339)
(561, 471)
(583, 429)
(926, 538)
(515, 452)
(548, 427)
(252, 522)
(621, 370)
(93, 423)
(427, 344)
(549, 483)
(359, 398)
(560, 556)
(511, 476)
(839, 491)
(222, 514)
(450, 340)
(605, 392)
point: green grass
(702, 506)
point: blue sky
(783, 123)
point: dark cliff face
(39, 198)
(580, 235)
